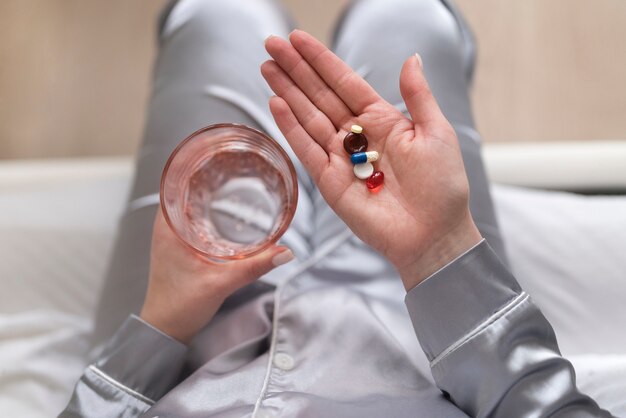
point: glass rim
(286, 219)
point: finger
(243, 272)
(162, 234)
(317, 125)
(416, 93)
(309, 81)
(309, 152)
(348, 85)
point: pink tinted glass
(229, 191)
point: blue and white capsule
(364, 157)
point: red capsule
(375, 180)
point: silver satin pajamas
(333, 334)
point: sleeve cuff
(459, 297)
(142, 358)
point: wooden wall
(74, 74)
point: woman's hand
(185, 290)
(420, 219)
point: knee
(423, 20)
(236, 13)
(239, 16)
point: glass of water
(229, 191)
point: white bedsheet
(55, 238)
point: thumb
(416, 92)
(243, 272)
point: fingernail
(269, 37)
(282, 257)
(419, 59)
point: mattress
(56, 232)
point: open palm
(420, 218)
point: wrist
(165, 326)
(179, 325)
(438, 253)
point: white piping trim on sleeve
(120, 386)
(514, 303)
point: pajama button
(284, 361)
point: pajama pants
(207, 71)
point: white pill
(363, 170)
(356, 129)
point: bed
(58, 220)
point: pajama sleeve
(491, 350)
(137, 367)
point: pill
(363, 170)
(354, 143)
(356, 129)
(362, 157)
(375, 180)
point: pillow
(55, 240)
(568, 252)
